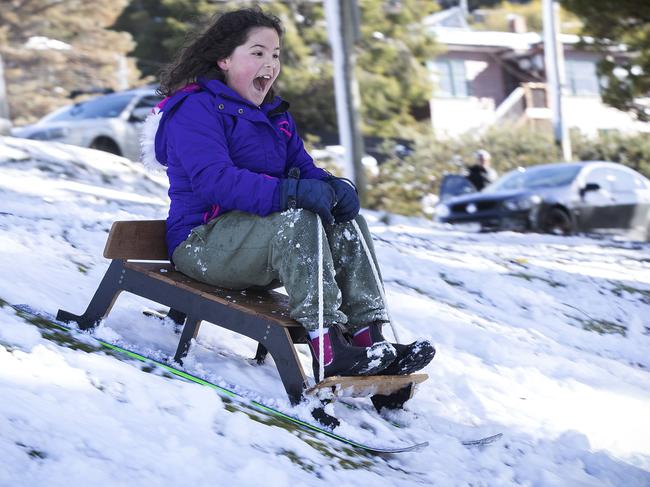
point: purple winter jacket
(223, 153)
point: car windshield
(109, 106)
(531, 178)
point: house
(494, 78)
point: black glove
(311, 194)
(347, 199)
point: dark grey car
(560, 198)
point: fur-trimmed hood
(147, 141)
(150, 139)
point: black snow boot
(410, 358)
(342, 358)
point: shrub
(631, 150)
(402, 183)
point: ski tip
(418, 446)
(397, 449)
(482, 441)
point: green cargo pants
(239, 250)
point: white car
(111, 123)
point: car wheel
(558, 222)
(105, 144)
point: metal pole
(122, 73)
(5, 123)
(554, 61)
(342, 21)
(464, 7)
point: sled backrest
(137, 240)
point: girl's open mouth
(261, 82)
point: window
(537, 177)
(148, 101)
(108, 106)
(614, 180)
(602, 177)
(622, 181)
(640, 183)
(581, 78)
(451, 78)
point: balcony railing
(528, 103)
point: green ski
(233, 399)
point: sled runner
(140, 266)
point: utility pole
(5, 123)
(343, 31)
(464, 7)
(555, 76)
(122, 72)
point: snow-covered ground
(545, 339)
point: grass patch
(431, 296)
(33, 452)
(347, 457)
(602, 327)
(51, 331)
(530, 278)
(450, 281)
(41, 455)
(620, 289)
(296, 460)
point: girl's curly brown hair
(199, 56)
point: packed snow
(545, 339)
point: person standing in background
(481, 173)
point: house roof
(451, 29)
(497, 40)
(452, 17)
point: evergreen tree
(394, 82)
(159, 28)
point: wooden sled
(139, 265)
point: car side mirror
(589, 187)
(139, 114)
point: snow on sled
(365, 386)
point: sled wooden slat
(269, 304)
(365, 386)
(137, 240)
